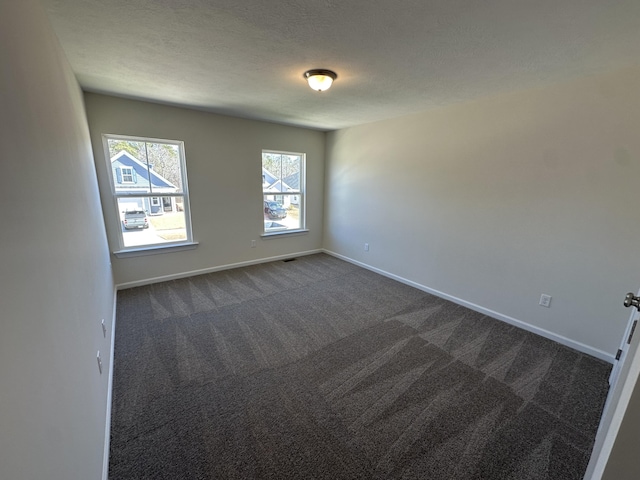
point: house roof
(278, 186)
(293, 181)
(271, 183)
(144, 177)
(268, 178)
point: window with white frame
(149, 188)
(283, 185)
(127, 174)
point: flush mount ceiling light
(320, 79)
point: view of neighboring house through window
(283, 185)
(149, 187)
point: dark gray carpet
(318, 369)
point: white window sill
(267, 235)
(154, 250)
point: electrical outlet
(545, 300)
(253, 244)
(99, 362)
(104, 329)
(366, 247)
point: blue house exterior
(132, 176)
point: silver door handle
(630, 300)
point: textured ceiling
(246, 57)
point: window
(149, 187)
(283, 185)
(127, 174)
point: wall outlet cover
(545, 300)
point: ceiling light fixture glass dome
(320, 79)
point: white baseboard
(165, 278)
(107, 430)
(581, 347)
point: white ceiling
(246, 57)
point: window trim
(301, 192)
(279, 233)
(151, 248)
(154, 250)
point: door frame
(621, 388)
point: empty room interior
(213, 267)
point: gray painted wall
(223, 157)
(499, 200)
(55, 277)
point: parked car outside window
(135, 219)
(274, 210)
